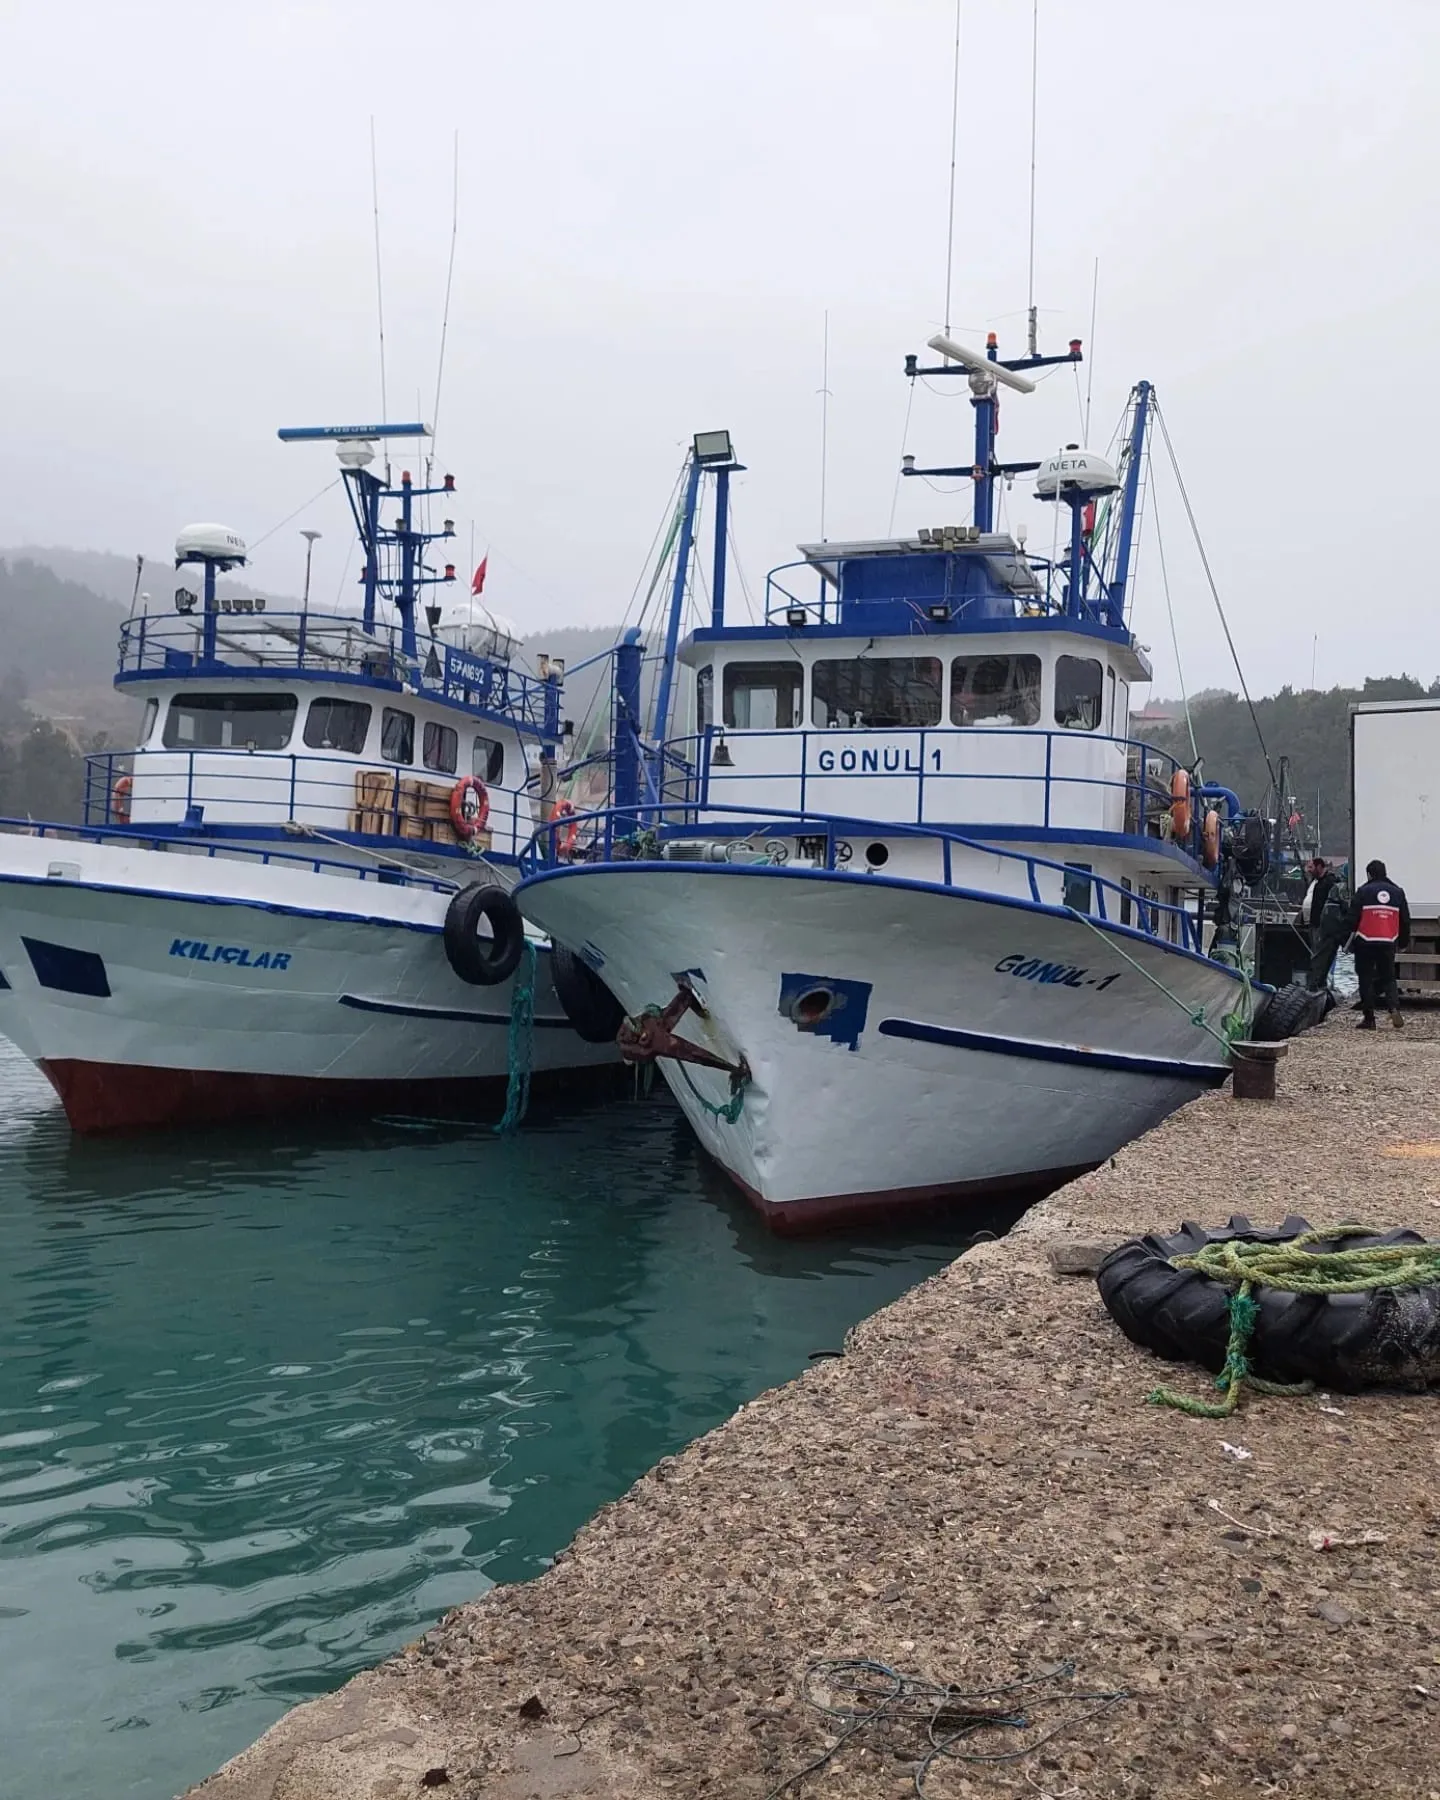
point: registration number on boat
(1032, 968)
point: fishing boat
(293, 893)
(910, 918)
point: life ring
(1384, 1337)
(120, 799)
(1210, 839)
(566, 840)
(483, 961)
(1180, 804)
(469, 806)
(586, 1002)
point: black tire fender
(1387, 1337)
(586, 1002)
(484, 961)
(1285, 1013)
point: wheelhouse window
(876, 691)
(147, 724)
(1079, 692)
(762, 696)
(440, 749)
(397, 735)
(229, 722)
(338, 725)
(995, 690)
(705, 697)
(487, 760)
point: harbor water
(271, 1400)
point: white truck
(1395, 807)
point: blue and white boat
(294, 893)
(910, 917)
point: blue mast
(1132, 491)
(677, 602)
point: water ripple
(270, 1402)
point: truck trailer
(1395, 809)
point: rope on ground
(1195, 1015)
(520, 1044)
(1296, 1269)
(938, 1717)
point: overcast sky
(659, 202)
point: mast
(1129, 503)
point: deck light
(938, 614)
(796, 617)
(557, 667)
(713, 447)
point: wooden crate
(1417, 969)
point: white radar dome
(209, 543)
(1074, 471)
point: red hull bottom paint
(112, 1097)
(795, 1218)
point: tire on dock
(1385, 1337)
(1287, 1012)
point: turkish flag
(477, 585)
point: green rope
(1197, 1017)
(733, 1107)
(520, 1046)
(1296, 1269)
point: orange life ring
(120, 800)
(566, 839)
(1210, 838)
(469, 806)
(1180, 803)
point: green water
(272, 1400)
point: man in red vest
(1379, 920)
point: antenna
(135, 591)
(1034, 95)
(449, 276)
(824, 418)
(379, 289)
(1090, 372)
(954, 142)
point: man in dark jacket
(1320, 884)
(1379, 919)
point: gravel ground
(978, 1492)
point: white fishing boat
(293, 894)
(910, 918)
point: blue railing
(277, 788)
(324, 646)
(1146, 797)
(825, 608)
(616, 839)
(388, 874)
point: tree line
(1310, 727)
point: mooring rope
(520, 1044)
(1196, 1015)
(1296, 1269)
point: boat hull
(908, 1045)
(155, 988)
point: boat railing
(384, 870)
(1062, 778)
(618, 836)
(320, 645)
(196, 789)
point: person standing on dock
(1379, 920)
(1324, 939)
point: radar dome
(1075, 471)
(209, 543)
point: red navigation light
(449, 571)
(449, 484)
(991, 341)
(1074, 346)
(404, 478)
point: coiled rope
(1296, 1269)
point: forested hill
(1311, 727)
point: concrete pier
(977, 1492)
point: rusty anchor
(651, 1034)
